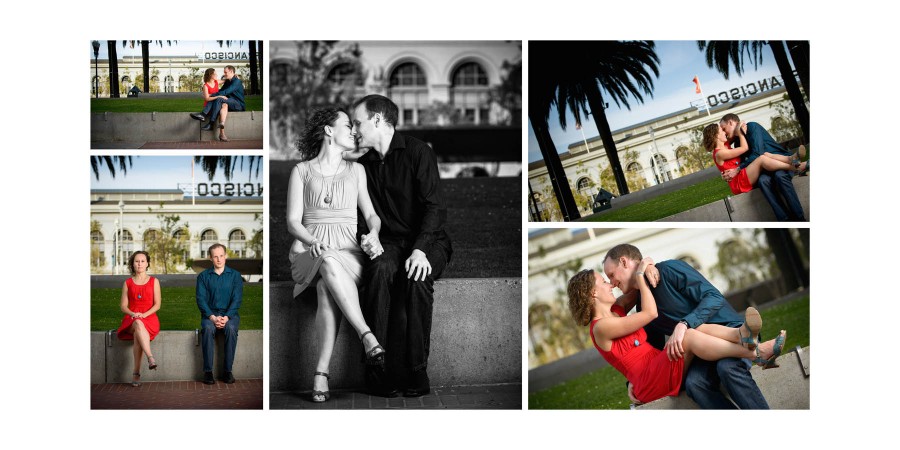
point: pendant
(327, 199)
(637, 342)
(139, 296)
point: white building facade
(123, 221)
(169, 73)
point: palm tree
(145, 57)
(113, 69)
(254, 67)
(577, 75)
(211, 164)
(124, 162)
(721, 55)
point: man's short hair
(231, 68)
(730, 117)
(380, 104)
(214, 246)
(627, 250)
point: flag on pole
(697, 82)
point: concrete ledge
(747, 207)
(178, 354)
(172, 127)
(476, 337)
(786, 387)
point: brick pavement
(496, 396)
(243, 394)
(234, 144)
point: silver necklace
(330, 191)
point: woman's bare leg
(138, 354)
(722, 332)
(327, 320)
(141, 337)
(713, 348)
(346, 295)
(223, 114)
(768, 164)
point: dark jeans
(215, 107)
(398, 310)
(208, 341)
(777, 185)
(701, 383)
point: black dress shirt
(405, 192)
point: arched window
(170, 84)
(98, 249)
(584, 185)
(469, 93)
(150, 236)
(681, 153)
(343, 73)
(408, 88)
(126, 246)
(635, 167)
(207, 239)
(661, 168)
(184, 236)
(237, 243)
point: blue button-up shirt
(219, 295)
(760, 141)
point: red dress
(648, 369)
(140, 299)
(740, 183)
(212, 90)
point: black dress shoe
(198, 116)
(207, 127)
(229, 378)
(208, 378)
(419, 384)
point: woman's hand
(317, 248)
(650, 271)
(372, 245)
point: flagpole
(699, 92)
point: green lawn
(668, 204)
(179, 308)
(174, 104)
(605, 388)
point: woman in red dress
(210, 87)
(141, 299)
(725, 157)
(622, 341)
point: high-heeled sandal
(375, 356)
(752, 323)
(776, 352)
(136, 379)
(151, 363)
(324, 395)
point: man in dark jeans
(685, 299)
(403, 182)
(233, 89)
(775, 186)
(220, 292)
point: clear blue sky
(679, 62)
(180, 48)
(165, 172)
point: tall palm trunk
(254, 80)
(787, 258)
(595, 99)
(800, 56)
(260, 55)
(113, 69)
(555, 170)
(793, 89)
(145, 62)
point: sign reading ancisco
(743, 91)
(225, 55)
(229, 189)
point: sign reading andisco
(743, 91)
(225, 55)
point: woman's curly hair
(311, 140)
(710, 136)
(581, 294)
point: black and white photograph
(395, 249)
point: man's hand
(372, 245)
(631, 395)
(744, 128)
(729, 174)
(417, 266)
(223, 320)
(674, 349)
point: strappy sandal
(776, 352)
(375, 356)
(752, 323)
(151, 363)
(136, 379)
(324, 395)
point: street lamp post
(121, 230)
(96, 45)
(115, 258)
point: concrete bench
(476, 337)
(178, 354)
(747, 207)
(786, 387)
(171, 127)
